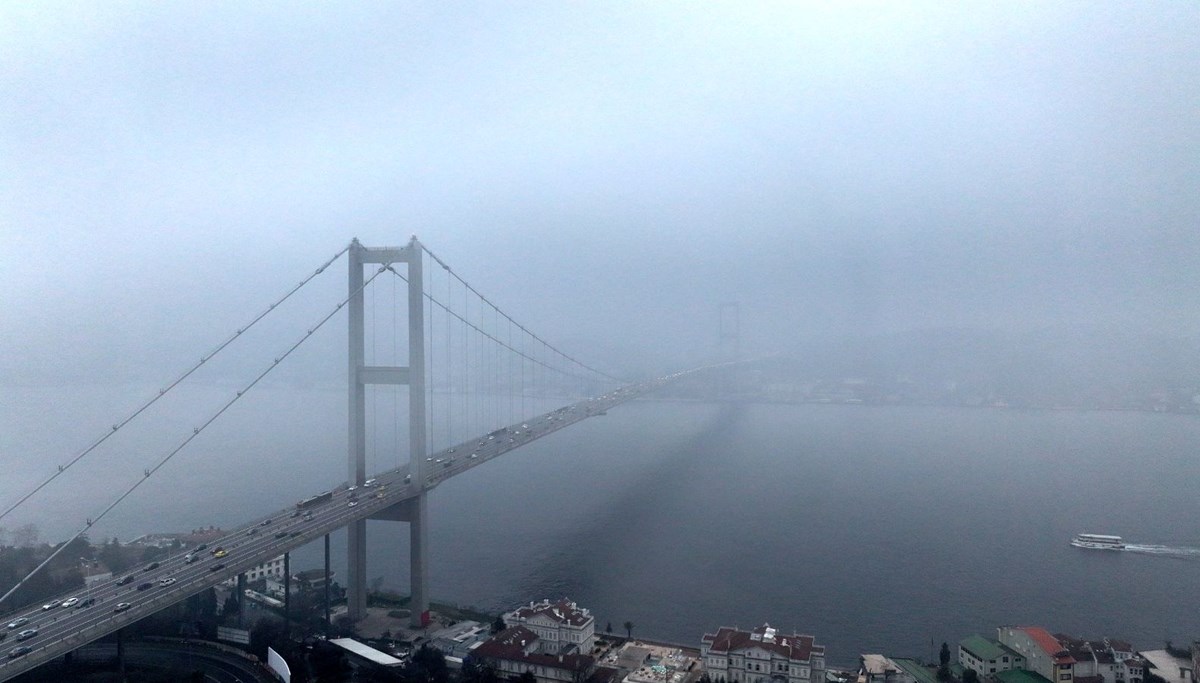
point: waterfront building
(986, 656)
(515, 650)
(1066, 659)
(561, 627)
(1168, 666)
(1042, 652)
(761, 656)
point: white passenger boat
(1098, 542)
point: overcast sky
(607, 172)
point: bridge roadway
(62, 629)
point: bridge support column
(359, 376)
(241, 600)
(418, 562)
(287, 597)
(327, 582)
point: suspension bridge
(478, 381)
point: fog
(607, 173)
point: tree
(608, 628)
(527, 677)
(266, 633)
(628, 630)
(969, 676)
(498, 625)
(943, 672)
(430, 664)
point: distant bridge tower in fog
(729, 331)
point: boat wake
(1178, 551)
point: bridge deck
(60, 630)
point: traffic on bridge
(42, 632)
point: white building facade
(762, 656)
(561, 627)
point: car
(86, 603)
(122, 606)
(352, 503)
(49, 606)
(70, 602)
(220, 552)
(167, 581)
(408, 479)
(379, 494)
(216, 567)
(295, 514)
(189, 558)
(308, 515)
(150, 567)
(20, 651)
(252, 531)
(295, 533)
(265, 522)
(369, 483)
(145, 586)
(27, 634)
(474, 455)
(352, 488)
(216, 550)
(125, 580)
(202, 546)
(525, 426)
(17, 623)
(281, 534)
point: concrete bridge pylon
(413, 375)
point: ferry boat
(1098, 542)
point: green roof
(1020, 676)
(983, 648)
(919, 671)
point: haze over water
(872, 528)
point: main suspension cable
(466, 284)
(163, 392)
(488, 335)
(146, 474)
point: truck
(314, 501)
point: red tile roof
(795, 647)
(1048, 643)
(515, 644)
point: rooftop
(564, 612)
(366, 652)
(511, 644)
(983, 648)
(795, 647)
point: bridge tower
(360, 375)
